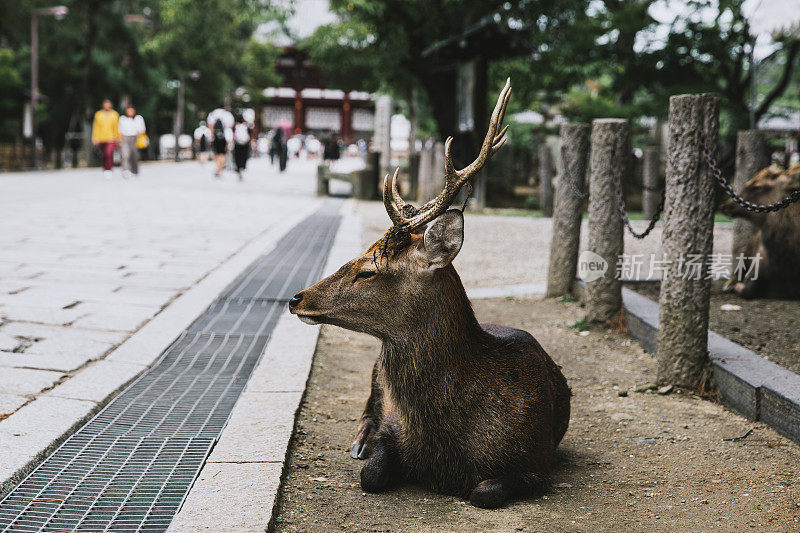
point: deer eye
(364, 274)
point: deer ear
(443, 239)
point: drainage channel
(131, 466)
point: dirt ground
(640, 462)
(766, 326)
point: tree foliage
(585, 59)
(131, 48)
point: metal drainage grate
(262, 281)
(130, 467)
(102, 483)
(189, 393)
(241, 315)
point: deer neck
(425, 360)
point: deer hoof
(489, 494)
(361, 446)
(359, 451)
(728, 286)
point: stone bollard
(650, 193)
(751, 156)
(568, 209)
(687, 241)
(546, 180)
(609, 162)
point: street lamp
(59, 12)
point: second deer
(459, 407)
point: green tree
(131, 48)
(11, 95)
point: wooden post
(382, 140)
(413, 175)
(546, 180)
(751, 156)
(431, 172)
(650, 174)
(568, 209)
(609, 162)
(687, 238)
(437, 170)
(424, 173)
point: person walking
(131, 126)
(202, 135)
(277, 149)
(332, 150)
(241, 144)
(221, 122)
(105, 135)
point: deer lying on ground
(777, 239)
(459, 407)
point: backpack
(219, 130)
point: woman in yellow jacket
(105, 135)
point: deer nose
(296, 299)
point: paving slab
(287, 360)
(8, 342)
(230, 497)
(114, 317)
(56, 348)
(259, 428)
(10, 403)
(40, 314)
(24, 381)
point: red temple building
(311, 106)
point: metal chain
(570, 178)
(750, 206)
(623, 213)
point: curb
(751, 385)
(238, 486)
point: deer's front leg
(370, 419)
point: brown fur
(777, 238)
(462, 408)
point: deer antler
(405, 215)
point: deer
(776, 241)
(461, 408)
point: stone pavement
(97, 276)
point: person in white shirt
(221, 123)
(131, 126)
(202, 135)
